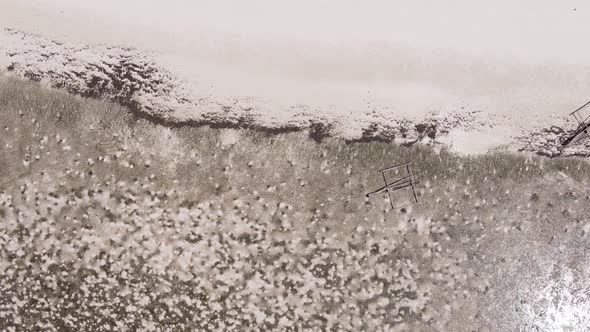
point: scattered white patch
(560, 305)
(479, 141)
(229, 137)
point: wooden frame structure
(407, 181)
(583, 129)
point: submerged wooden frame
(408, 181)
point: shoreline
(134, 79)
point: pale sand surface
(521, 59)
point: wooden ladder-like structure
(583, 129)
(408, 181)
